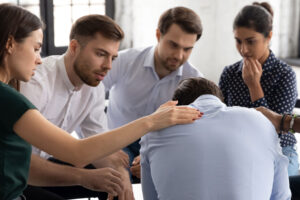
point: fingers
(255, 66)
(114, 189)
(136, 160)
(171, 115)
(169, 103)
(260, 108)
(136, 170)
(186, 114)
(110, 197)
(114, 182)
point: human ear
(158, 35)
(10, 43)
(269, 37)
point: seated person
(232, 153)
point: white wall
(216, 47)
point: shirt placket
(67, 116)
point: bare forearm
(38, 131)
(77, 152)
(120, 138)
(45, 173)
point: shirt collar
(269, 63)
(63, 73)
(209, 104)
(149, 62)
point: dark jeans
(67, 192)
(133, 150)
(295, 187)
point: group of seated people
(203, 142)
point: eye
(173, 45)
(187, 49)
(37, 50)
(251, 42)
(100, 54)
(238, 41)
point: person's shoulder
(233, 67)
(248, 115)
(11, 95)
(190, 70)
(283, 67)
(49, 66)
(133, 53)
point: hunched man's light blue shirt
(135, 88)
(231, 153)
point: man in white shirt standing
(232, 153)
(68, 91)
(143, 79)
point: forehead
(176, 34)
(100, 42)
(243, 32)
(35, 37)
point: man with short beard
(67, 90)
(142, 79)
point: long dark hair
(258, 16)
(16, 23)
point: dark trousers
(66, 192)
(295, 187)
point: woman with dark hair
(21, 124)
(260, 79)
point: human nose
(38, 60)
(108, 63)
(178, 53)
(244, 49)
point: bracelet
(292, 123)
(281, 124)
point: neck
(73, 77)
(160, 70)
(263, 59)
(4, 75)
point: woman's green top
(14, 151)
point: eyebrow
(106, 52)
(171, 41)
(249, 38)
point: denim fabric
(291, 153)
(133, 150)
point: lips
(173, 61)
(100, 76)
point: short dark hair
(258, 17)
(190, 89)
(17, 23)
(185, 18)
(87, 26)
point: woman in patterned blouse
(260, 79)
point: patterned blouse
(278, 82)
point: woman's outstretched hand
(168, 114)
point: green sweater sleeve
(12, 106)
